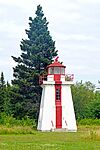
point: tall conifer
(2, 92)
(38, 50)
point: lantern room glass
(56, 70)
(62, 70)
(51, 70)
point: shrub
(89, 121)
(10, 121)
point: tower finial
(56, 59)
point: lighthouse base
(58, 130)
(63, 130)
(48, 117)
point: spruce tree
(5, 96)
(38, 50)
(7, 100)
(2, 80)
(2, 92)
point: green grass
(87, 138)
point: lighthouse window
(51, 70)
(62, 70)
(57, 94)
(56, 70)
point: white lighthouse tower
(56, 108)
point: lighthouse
(56, 108)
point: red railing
(68, 77)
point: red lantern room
(56, 69)
(56, 72)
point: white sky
(73, 24)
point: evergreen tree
(2, 81)
(2, 92)
(7, 100)
(38, 50)
(5, 96)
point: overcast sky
(73, 24)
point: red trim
(58, 116)
(58, 104)
(57, 77)
(56, 64)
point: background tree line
(86, 101)
(22, 97)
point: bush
(16, 130)
(89, 122)
(10, 121)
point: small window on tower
(62, 70)
(51, 70)
(57, 94)
(56, 70)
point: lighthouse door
(58, 106)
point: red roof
(56, 64)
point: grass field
(87, 138)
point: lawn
(87, 138)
